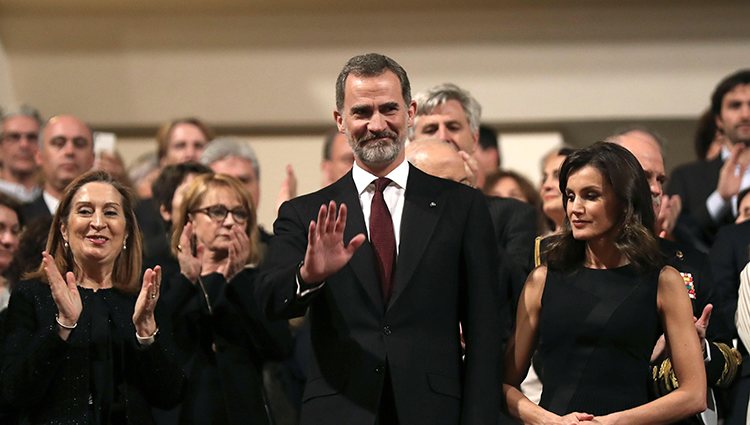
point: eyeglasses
(219, 213)
(16, 137)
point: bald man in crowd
(337, 157)
(514, 221)
(693, 265)
(66, 150)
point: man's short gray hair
(22, 111)
(228, 146)
(428, 100)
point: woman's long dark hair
(635, 239)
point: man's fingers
(322, 213)
(330, 218)
(355, 243)
(706, 315)
(341, 219)
(676, 202)
(735, 152)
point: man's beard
(735, 135)
(372, 151)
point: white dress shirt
(715, 204)
(51, 202)
(393, 194)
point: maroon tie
(382, 237)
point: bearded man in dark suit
(386, 300)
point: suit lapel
(422, 209)
(363, 261)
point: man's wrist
(304, 288)
(305, 283)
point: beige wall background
(7, 99)
(576, 68)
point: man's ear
(411, 112)
(339, 120)
(165, 215)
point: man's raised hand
(326, 253)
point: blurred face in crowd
(488, 159)
(10, 231)
(340, 162)
(186, 143)
(241, 169)
(448, 122)
(648, 153)
(734, 120)
(375, 119)
(20, 143)
(66, 153)
(550, 191)
(743, 212)
(507, 187)
(212, 231)
(143, 186)
(179, 195)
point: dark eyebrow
(390, 105)
(360, 109)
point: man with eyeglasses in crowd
(19, 143)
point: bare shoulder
(671, 288)
(537, 278)
(670, 279)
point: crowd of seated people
(206, 350)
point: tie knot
(381, 183)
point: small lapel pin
(433, 205)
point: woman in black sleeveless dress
(596, 309)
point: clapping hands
(65, 294)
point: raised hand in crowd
(730, 175)
(326, 253)
(145, 304)
(65, 294)
(288, 188)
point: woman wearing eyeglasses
(217, 327)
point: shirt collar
(51, 202)
(363, 179)
(725, 152)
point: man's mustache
(378, 135)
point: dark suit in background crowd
(729, 255)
